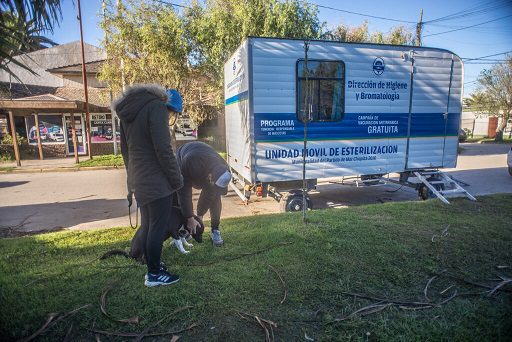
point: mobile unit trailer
(373, 110)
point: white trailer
(375, 109)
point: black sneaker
(163, 268)
(162, 278)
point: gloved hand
(129, 197)
(192, 224)
(198, 236)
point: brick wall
(99, 149)
(32, 152)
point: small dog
(182, 241)
(175, 229)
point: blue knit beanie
(174, 100)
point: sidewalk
(49, 165)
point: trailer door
(430, 102)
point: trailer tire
(293, 202)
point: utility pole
(84, 78)
(123, 82)
(112, 112)
(419, 27)
(307, 110)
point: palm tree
(21, 24)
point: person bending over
(203, 168)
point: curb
(61, 169)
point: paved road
(96, 199)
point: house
(53, 100)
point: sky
(491, 20)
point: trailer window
(325, 87)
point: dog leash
(136, 216)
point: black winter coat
(197, 160)
(151, 165)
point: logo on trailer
(378, 66)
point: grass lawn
(389, 251)
(106, 160)
(506, 140)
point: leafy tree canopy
(153, 42)
(494, 94)
(398, 35)
(22, 23)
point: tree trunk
(501, 128)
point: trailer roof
(354, 43)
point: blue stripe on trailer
(281, 127)
(237, 98)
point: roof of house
(96, 96)
(56, 57)
(91, 68)
(24, 100)
(16, 90)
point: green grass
(482, 139)
(7, 168)
(105, 160)
(385, 250)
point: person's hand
(192, 224)
(129, 197)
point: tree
(156, 44)
(398, 35)
(493, 96)
(22, 23)
(217, 29)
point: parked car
(509, 161)
(108, 134)
(55, 134)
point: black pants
(209, 199)
(155, 218)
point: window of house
(50, 129)
(101, 128)
(324, 91)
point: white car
(509, 161)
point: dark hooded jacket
(197, 160)
(151, 165)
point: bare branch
(151, 326)
(425, 290)
(504, 282)
(122, 334)
(50, 318)
(103, 307)
(282, 283)
(243, 255)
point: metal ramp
(442, 185)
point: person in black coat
(203, 168)
(153, 174)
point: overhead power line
(172, 4)
(482, 8)
(464, 28)
(364, 15)
(480, 58)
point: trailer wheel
(425, 193)
(293, 202)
